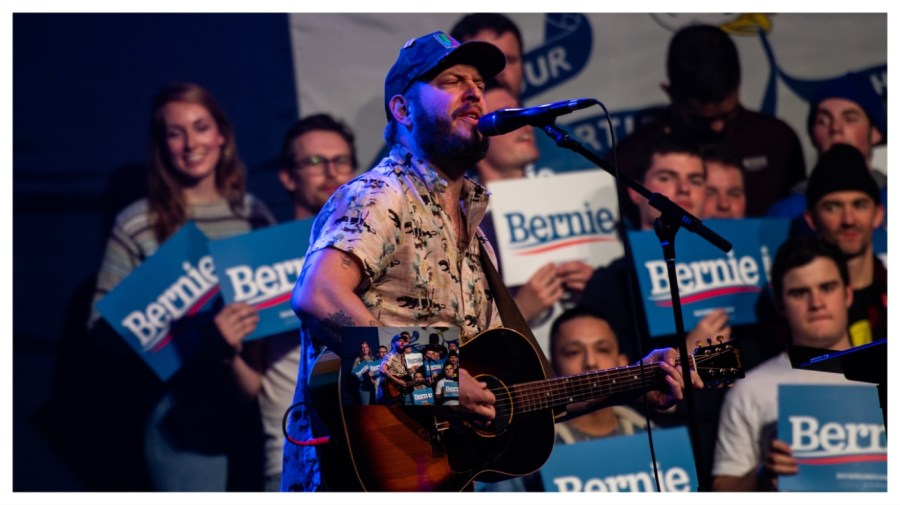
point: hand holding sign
(235, 322)
(541, 291)
(574, 275)
(778, 461)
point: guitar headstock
(718, 364)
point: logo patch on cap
(446, 40)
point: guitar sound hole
(503, 407)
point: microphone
(504, 121)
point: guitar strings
(531, 396)
(542, 394)
(610, 375)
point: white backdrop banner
(340, 61)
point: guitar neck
(559, 391)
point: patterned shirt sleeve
(363, 219)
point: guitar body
(424, 448)
(396, 393)
(400, 448)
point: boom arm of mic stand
(672, 217)
(658, 201)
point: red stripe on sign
(564, 244)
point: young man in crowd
(844, 207)
(811, 289)
(704, 87)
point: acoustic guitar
(417, 448)
(394, 391)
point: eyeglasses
(315, 164)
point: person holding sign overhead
(195, 174)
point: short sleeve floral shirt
(390, 218)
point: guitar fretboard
(545, 394)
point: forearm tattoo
(329, 329)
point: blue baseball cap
(430, 54)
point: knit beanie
(842, 168)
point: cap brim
(484, 56)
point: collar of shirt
(475, 197)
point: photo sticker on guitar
(399, 366)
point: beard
(444, 148)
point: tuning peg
(720, 339)
(709, 340)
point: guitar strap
(510, 315)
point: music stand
(866, 363)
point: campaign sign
(260, 269)
(450, 390)
(434, 367)
(414, 360)
(554, 219)
(176, 282)
(622, 464)
(424, 396)
(836, 434)
(361, 369)
(374, 368)
(708, 279)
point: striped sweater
(132, 239)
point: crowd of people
(426, 237)
(408, 376)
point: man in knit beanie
(845, 110)
(843, 205)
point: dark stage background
(82, 85)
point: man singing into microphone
(407, 230)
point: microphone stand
(672, 217)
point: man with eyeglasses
(704, 75)
(317, 157)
